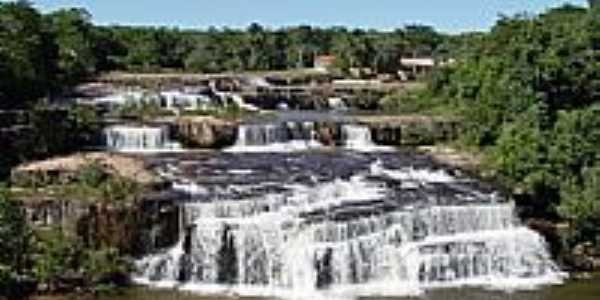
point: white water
(358, 138)
(328, 241)
(274, 138)
(236, 99)
(294, 137)
(138, 139)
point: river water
(279, 216)
(576, 290)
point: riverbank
(574, 289)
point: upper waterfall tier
(294, 136)
(284, 137)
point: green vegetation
(143, 111)
(60, 258)
(420, 100)
(528, 93)
(48, 132)
(92, 184)
(15, 241)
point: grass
(417, 100)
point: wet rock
(581, 258)
(135, 228)
(581, 276)
(326, 136)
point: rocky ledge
(411, 130)
(61, 170)
(205, 131)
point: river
(280, 216)
(574, 290)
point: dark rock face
(414, 132)
(136, 229)
(17, 138)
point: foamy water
(358, 236)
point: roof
(419, 62)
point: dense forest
(43, 54)
(529, 96)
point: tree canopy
(529, 94)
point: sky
(445, 15)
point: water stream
(341, 224)
(125, 138)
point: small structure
(324, 62)
(417, 66)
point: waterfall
(358, 137)
(276, 137)
(299, 136)
(352, 237)
(138, 138)
(236, 99)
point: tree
(27, 55)
(73, 32)
(581, 204)
(388, 49)
(15, 238)
(54, 257)
(422, 39)
(528, 94)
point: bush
(15, 241)
(92, 175)
(581, 204)
(414, 102)
(104, 267)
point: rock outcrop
(62, 170)
(411, 130)
(205, 132)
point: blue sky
(445, 15)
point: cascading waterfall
(299, 136)
(379, 232)
(283, 137)
(358, 137)
(138, 138)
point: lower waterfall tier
(384, 229)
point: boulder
(206, 132)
